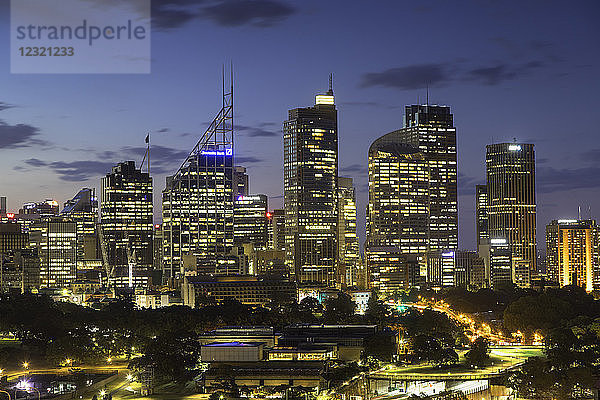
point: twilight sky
(512, 69)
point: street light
(25, 365)
(129, 377)
(102, 393)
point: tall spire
(330, 91)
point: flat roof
(233, 344)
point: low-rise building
(251, 290)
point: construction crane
(107, 268)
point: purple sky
(514, 69)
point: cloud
(5, 106)
(493, 75)
(369, 104)
(172, 14)
(74, 171)
(259, 13)
(420, 76)
(355, 169)
(258, 131)
(164, 130)
(592, 155)
(20, 135)
(466, 184)
(409, 77)
(551, 180)
(247, 160)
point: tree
(172, 355)
(381, 346)
(311, 305)
(339, 309)
(478, 355)
(376, 311)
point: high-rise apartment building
(511, 200)
(572, 252)
(55, 240)
(430, 128)
(250, 221)
(127, 224)
(310, 139)
(198, 203)
(348, 245)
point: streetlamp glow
(129, 377)
(25, 364)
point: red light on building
(10, 215)
(268, 215)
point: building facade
(430, 128)
(511, 199)
(83, 210)
(127, 224)
(348, 245)
(481, 216)
(572, 252)
(55, 240)
(250, 221)
(310, 139)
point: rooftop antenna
(578, 212)
(330, 91)
(427, 96)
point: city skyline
(539, 103)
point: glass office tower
(310, 139)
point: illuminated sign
(498, 241)
(249, 198)
(10, 215)
(514, 147)
(227, 152)
(324, 99)
(449, 254)
(567, 221)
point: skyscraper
(498, 262)
(572, 252)
(126, 223)
(397, 213)
(250, 221)
(481, 216)
(398, 209)
(511, 199)
(348, 246)
(83, 210)
(55, 239)
(278, 227)
(431, 129)
(198, 201)
(310, 139)
(241, 183)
